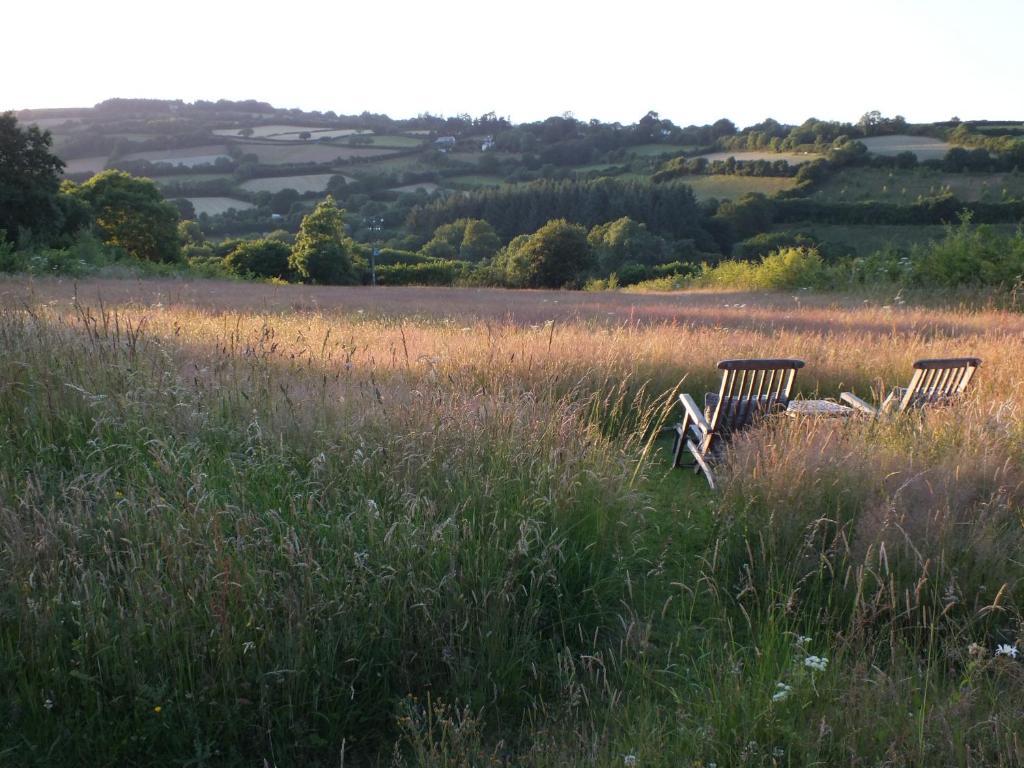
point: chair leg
(680, 442)
(701, 465)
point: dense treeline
(934, 210)
(671, 211)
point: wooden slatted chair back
(750, 389)
(937, 382)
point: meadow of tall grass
(438, 528)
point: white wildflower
(817, 663)
(802, 640)
(782, 692)
(1009, 651)
(48, 704)
(629, 759)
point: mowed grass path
(244, 523)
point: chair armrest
(695, 414)
(851, 399)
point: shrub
(783, 269)
(969, 256)
(555, 256)
(262, 258)
(761, 245)
(426, 273)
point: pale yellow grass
(525, 340)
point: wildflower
(782, 692)
(1009, 651)
(48, 704)
(778, 752)
(802, 640)
(976, 651)
(817, 663)
(629, 759)
(158, 709)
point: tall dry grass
(243, 532)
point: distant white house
(444, 143)
(488, 143)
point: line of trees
(670, 211)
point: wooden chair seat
(750, 389)
(935, 383)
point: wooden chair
(750, 389)
(935, 382)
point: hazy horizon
(691, 65)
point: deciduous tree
(263, 258)
(322, 251)
(130, 213)
(29, 180)
(554, 256)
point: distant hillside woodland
(245, 190)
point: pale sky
(692, 62)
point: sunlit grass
(253, 525)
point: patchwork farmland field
(925, 147)
(395, 142)
(426, 186)
(50, 123)
(400, 164)
(906, 186)
(190, 156)
(655, 150)
(734, 187)
(277, 154)
(313, 182)
(85, 164)
(793, 158)
(288, 132)
(297, 507)
(215, 205)
(475, 180)
(865, 239)
(190, 178)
